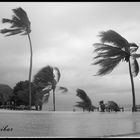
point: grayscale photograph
(69, 69)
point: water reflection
(134, 126)
(71, 124)
(92, 125)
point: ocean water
(69, 124)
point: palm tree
(86, 101)
(48, 78)
(113, 49)
(20, 24)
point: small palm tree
(115, 50)
(47, 78)
(86, 101)
(20, 24)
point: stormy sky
(62, 35)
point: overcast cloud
(62, 36)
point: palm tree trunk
(133, 89)
(53, 99)
(30, 71)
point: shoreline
(51, 111)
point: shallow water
(70, 124)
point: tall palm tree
(48, 77)
(86, 101)
(113, 49)
(20, 24)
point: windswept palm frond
(107, 65)
(83, 96)
(19, 23)
(10, 31)
(133, 47)
(5, 20)
(22, 16)
(63, 89)
(47, 88)
(134, 67)
(105, 51)
(80, 104)
(135, 55)
(45, 76)
(105, 47)
(15, 22)
(108, 57)
(116, 39)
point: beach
(69, 124)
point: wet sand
(69, 124)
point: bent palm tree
(47, 78)
(20, 24)
(115, 50)
(86, 101)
